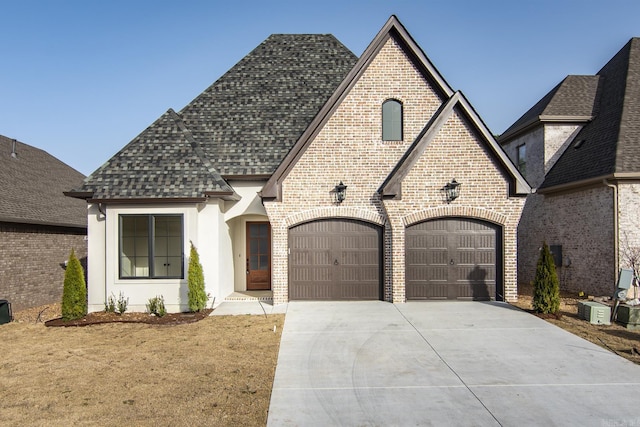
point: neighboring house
(580, 147)
(250, 170)
(38, 225)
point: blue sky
(81, 78)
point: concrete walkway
(443, 364)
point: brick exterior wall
(582, 222)
(349, 148)
(629, 224)
(30, 258)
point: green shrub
(110, 305)
(546, 287)
(74, 293)
(122, 303)
(197, 295)
(156, 306)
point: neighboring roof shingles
(32, 188)
(574, 97)
(611, 141)
(243, 124)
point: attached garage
(335, 259)
(453, 258)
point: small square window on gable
(392, 120)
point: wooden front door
(258, 256)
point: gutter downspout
(616, 231)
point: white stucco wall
(216, 228)
(248, 208)
(96, 262)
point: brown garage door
(336, 259)
(453, 258)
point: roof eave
(541, 120)
(46, 223)
(224, 195)
(79, 194)
(590, 182)
(147, 200)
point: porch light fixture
(452, 190)
(340, 193)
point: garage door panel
(313, 290)
(458, 262)
(349, 252)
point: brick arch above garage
(326, 212)
(454, 211)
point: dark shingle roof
(249, 119)
(32, 187)
(243, 124)
(610, 143)
(571, 99)
(164, 161)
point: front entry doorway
(258, 256)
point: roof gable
(610, 144)
(33, 182)
(392, 28)
(573, 100)
(392, 186)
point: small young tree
(197, 294)
(546, 287)
(74, 293)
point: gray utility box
(5, 311)
(629, 316)
(594, 312)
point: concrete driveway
(443, 363)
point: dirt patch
(216, 371)
(614, 337)
(104, 317)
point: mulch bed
(102, 317)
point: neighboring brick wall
(629, 222)
(544, 146)
(30, 258)
(580, 221)
(533, 142)
(350, 149)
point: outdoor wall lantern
(452, 190)
(340, 193)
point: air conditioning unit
(594, 312)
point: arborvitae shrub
(197, 294)
(546, 287)
(74, 293)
